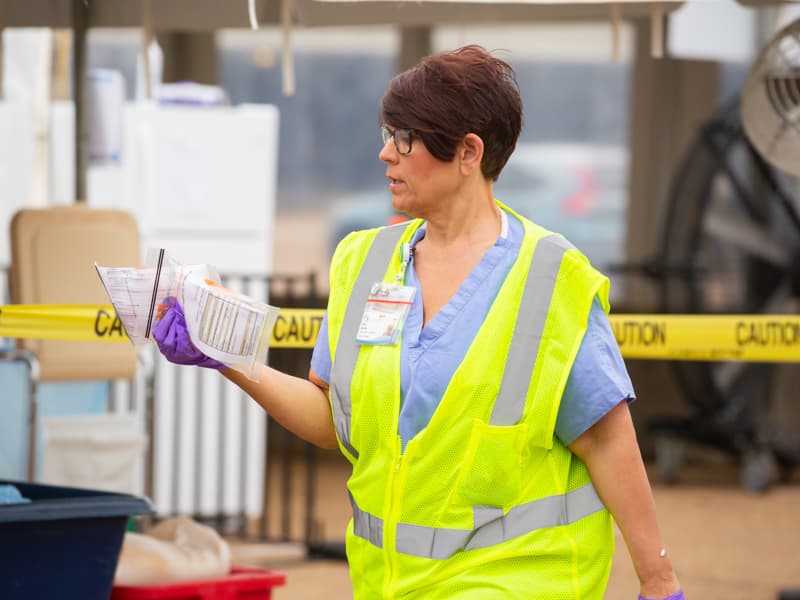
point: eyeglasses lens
(402, 138)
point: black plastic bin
(64, 543)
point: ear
(470, 153)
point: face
(419, 182)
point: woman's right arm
(300, 405)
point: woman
(467, 370)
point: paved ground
(726, 543)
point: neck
(470, 217)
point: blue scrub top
(429, 357)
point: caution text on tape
(752, 338)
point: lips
(394, 183)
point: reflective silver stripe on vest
(533, 309)
(366, 525)
(440, 543)
(373, 269)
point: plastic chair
(53, 251)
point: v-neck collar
(466, 291)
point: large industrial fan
(731, 245)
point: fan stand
(730, 245)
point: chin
(398, 206)
(402, 206)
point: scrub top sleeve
(598, 381)
(321, 357)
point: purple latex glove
(172, 337)
(676, 596)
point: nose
(388, 153)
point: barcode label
(226, 324)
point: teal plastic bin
(64, 543)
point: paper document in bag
(135, 294)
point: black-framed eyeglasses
(402, 138)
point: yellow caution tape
(296, 328)
(73, 322)
(752, 338)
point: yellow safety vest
(484, 502)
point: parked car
(577, 190)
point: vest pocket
(491, 474)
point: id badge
(384, 314)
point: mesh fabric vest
(484, 502)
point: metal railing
(285, 291)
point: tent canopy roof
(205, 15)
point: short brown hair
(450, 94)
